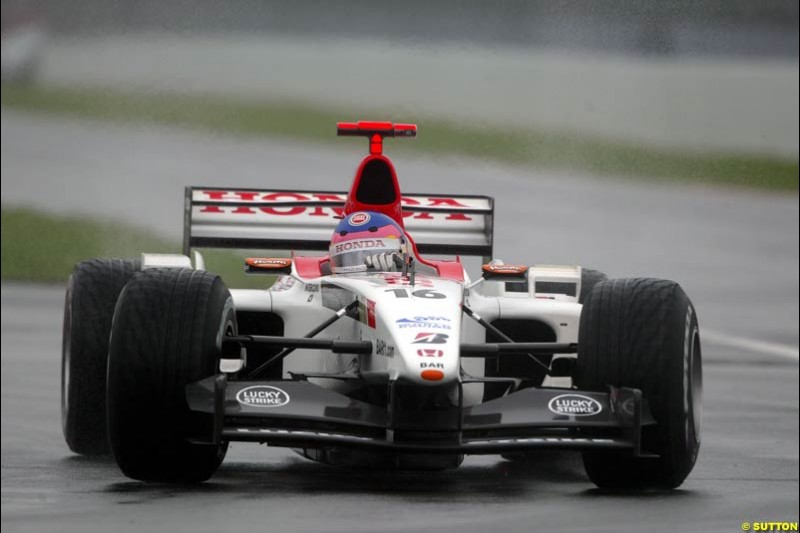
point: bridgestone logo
(574, 405)
(262, 396)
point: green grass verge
(40, 247)
(516, 146)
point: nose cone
(416, 328)
(428, 344)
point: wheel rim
(65, 358)
(696, 384)
(227, 328)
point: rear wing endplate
(305, 220)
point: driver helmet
(366, 241)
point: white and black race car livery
(375, 354)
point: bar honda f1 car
(375, 355)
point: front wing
(300, 414)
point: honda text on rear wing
(304, 220)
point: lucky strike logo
(427, 352)
(262, 396)
(315, 211)
(574, 405)
(359, 219)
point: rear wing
(305, 220)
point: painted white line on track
(784, 351)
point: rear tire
(643, 333)
(589, 278)
(167, 333)
(92, 292)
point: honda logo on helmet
(358, 245)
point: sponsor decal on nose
(430, 338)
(371, 313)
(427, 322)
(366, 312)
(432, 375)
(427, 352)
(424, 319)
(384, 348)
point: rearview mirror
(268, 265)
(512, 273)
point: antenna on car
(404, 249)
(376, 131)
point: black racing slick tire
(643, 333)
(167, 333)
(92, 292)
(589, 278)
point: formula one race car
(375, 355)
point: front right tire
(167, 333)
(92, 292)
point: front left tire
(643, 333)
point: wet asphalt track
(735, 253)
